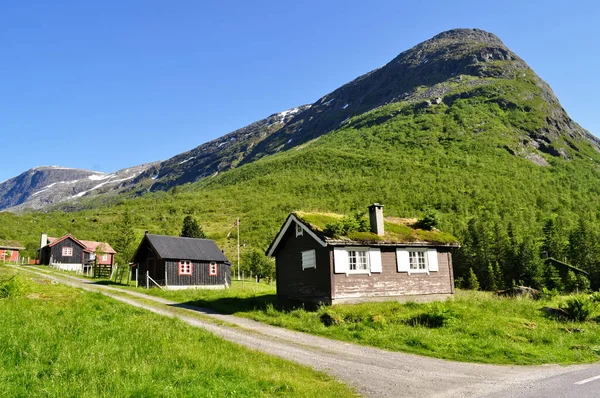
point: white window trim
(314, 263)
(67, 251)
(104, 257)
(418, 271)
(403, 260)
(299, 230)
(359, 271)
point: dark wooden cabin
(70, 254)
(394, 261)
(180, 263)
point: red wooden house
(9, 250)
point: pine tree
(191, 228)
(571, 282)
(124, 238)
(492, 278)
(552, 279)
(473, 282)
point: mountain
(452, 65)
(458, 125)
(462, 90)
(46, 185)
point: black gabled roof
(175, 247)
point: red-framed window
(213, 269)
(185, 267)
(67, 251)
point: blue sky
(109, 84)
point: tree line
(494, 256)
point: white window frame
(299, 230)
(104, 257)
(403, 260)
(341, 260)
(67, 251)
(309, 259)
(364, 250)
(416, 253)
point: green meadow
(473, 327)
(57, 341)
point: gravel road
(371, 371)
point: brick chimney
(376, 218)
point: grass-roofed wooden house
(330, 258)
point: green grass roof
(10, 244)
(397, 230)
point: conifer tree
(191, 228)
(473, 282)
(124, 238)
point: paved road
(373, 372)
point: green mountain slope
(484, 144)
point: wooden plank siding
(391, 283)
(312, 284)
(200, 274)
(58, 258)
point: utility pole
(238, 236)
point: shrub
(354, 223)
(595, 297)
(12, 288)
(329, 318)
(429, 221)
(578, 308)
(435, 317)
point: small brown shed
(393, 261)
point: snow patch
(80, 194)
(290, 140)
(345, 106)
(47, 187)
(345, 120)
(221, 144)
(100, 177)
(187, 160)
(289, 112)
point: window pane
(352, 260)
(362, 260)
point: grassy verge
(60, 341)
(474, 327)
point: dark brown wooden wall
(295, 283)
(57, 257)
(390, 282)
(200, 274)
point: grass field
(58, 341)
(474, 327)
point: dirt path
(373, 372)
